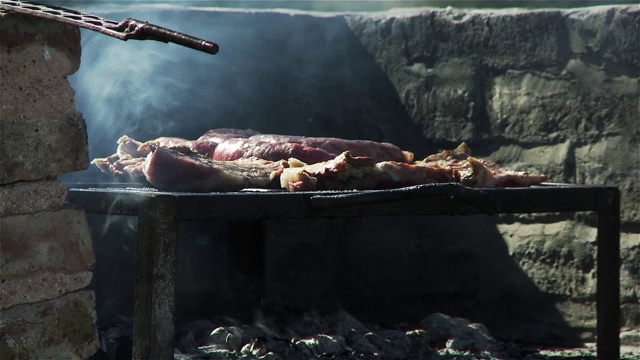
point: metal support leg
(608, 272)
(156, 265)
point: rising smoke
(277, 72)
(145, 88)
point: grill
(159, 214)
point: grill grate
(127, 29)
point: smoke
(277, 72)
(139, 83)
(144, 89)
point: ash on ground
(341, 336)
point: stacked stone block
(45, 247)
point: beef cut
(126, 164)
(239, 148)
(376, 150)
(209, 141)
(229, 159)
(346, 172)
(232, 144)
(125, 170)
(479, 173)
(171, 170)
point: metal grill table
(159, 214)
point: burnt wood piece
(430, 199)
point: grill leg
(156, 265)
(608, 276)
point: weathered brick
(503, 38)
(37, 48)
(31, 197)
(37, 56)
(528, 106)
(44, 255)
(37, 148)
(59, 328)
(602, 163)
(607, 32)
(33, 98)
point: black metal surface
(127, 29)
(608, 274)
(429, 199)
(157, 221)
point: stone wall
(46, 250)
(554, 91)
(549, 90)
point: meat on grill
(126, 164)
(479, 173)
(209, 141)
(245, 159)
(131, 148)
(376, 150)
(171, 170)
(231, 144)
(232, 149)
(346, 172)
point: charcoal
(457, 334)
(419, 341)
(347, 326)
(341, 336)
(229, 337)
(365, 347)
(321, 345)
(255, 348)
(394, 344)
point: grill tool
(127, 29)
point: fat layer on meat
(132, 148)
(126, 170)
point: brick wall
(46, 253)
